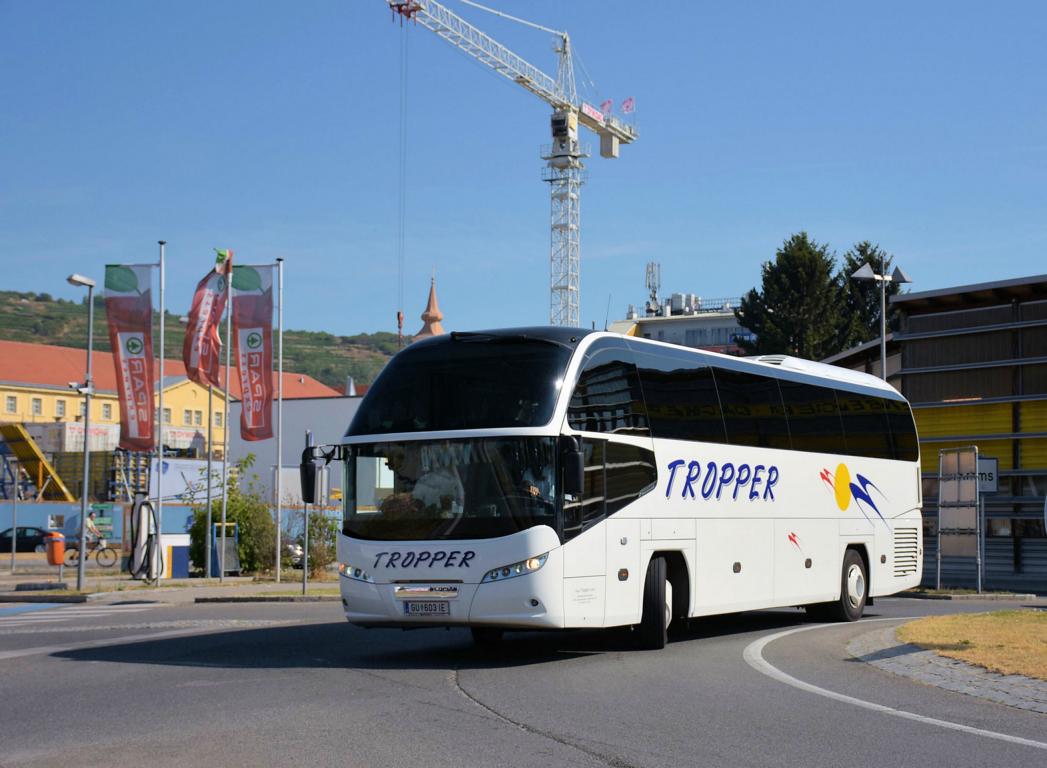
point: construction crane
(564, 171)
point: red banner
(202, 349)
(129, 308)
(253, 347)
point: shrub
(246, 507)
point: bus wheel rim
(855, 585)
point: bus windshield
(450, 489)
(465, 382)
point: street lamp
(87, 389)
(865, 272)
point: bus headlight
(522, 568)
(351, 572)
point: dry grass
(1008, 642)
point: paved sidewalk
(882, 649)
(175, 591)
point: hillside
(39, 318)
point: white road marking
(59, 613)
(753, 655)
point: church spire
(432, 316)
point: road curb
(270, 599)
(882, 649)
(986, 596)
(29, 597)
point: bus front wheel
(854, 583)
(657, 606)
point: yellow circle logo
(842, 487)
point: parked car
(28, 539)
(294, 551)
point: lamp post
(865, 272)
(86, 390)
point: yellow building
(35, 389)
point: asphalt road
(275, 684)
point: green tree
(245, 506)
(795, 311)
(859, 300)
(323, 537)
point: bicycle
(105, 556)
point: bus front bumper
(529, 601)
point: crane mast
(565, 170)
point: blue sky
(272, 128)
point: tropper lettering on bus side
(720, 478)
(673, 466)
(757, 479)
(772, 479)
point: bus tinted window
(615, 475)
(752, 409)
(814, 417)
(580, 513)
(607, 397)
(903, 430)
(630, 474)
(461, 384)
(865, 424)
(681, 398)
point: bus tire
(657, 607)
(487, 637)
(854, 584)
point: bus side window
(814, 417)
(589, 508)
(865, 424)
(681, 398)
(630, 474)
(607, 397)
(903, 430)
(752, 409)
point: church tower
(432, 316)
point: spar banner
(253, 347)
(129, 309)
(202, 348)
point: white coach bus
(552, 478)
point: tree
(246, 507)
(859, 300)
(323, 537)
(795, 311)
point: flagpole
(279, 406)
(210, 478)
(225, 433)
(160, 432)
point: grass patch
(297, 592)
(1008, 642)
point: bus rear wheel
(657, 606)
(854, 583)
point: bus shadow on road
(338, 645)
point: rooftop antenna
(653, 281)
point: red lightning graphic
(794, 539)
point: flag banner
(129, 309)
(253, 348)
(201, 351)
(607, 106)
(629, 106)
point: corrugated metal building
(973, 363)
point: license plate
(427, 608)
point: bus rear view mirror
(309, 471)
(573, 469)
